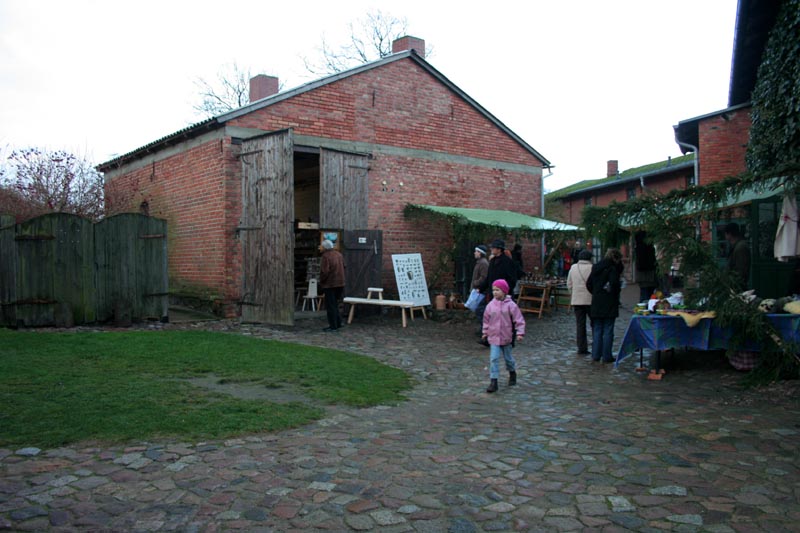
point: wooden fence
(60, 270)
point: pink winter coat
(497, 321)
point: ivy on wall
(775, 132)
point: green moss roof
(628, 174)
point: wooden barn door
(343, 191)
(266, 229)
(363, 253)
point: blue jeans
(602, 339)
(494, 360)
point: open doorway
(306, 218)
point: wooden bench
(403, 305)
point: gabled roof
(632, 174)
(220, 120)
(754, 20)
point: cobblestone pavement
(574, 446)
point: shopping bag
(474, 300)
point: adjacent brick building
(359, 145)
(567, 204)
(717, 143)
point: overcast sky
(582, 81)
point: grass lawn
(61, 388)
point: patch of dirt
(253, 390)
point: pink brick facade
(601, 196)
(426, 135)
(198, 193)
(723, 144)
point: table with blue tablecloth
(666, 332)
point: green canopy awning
(505, 219)
(761, 191)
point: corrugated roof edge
(220, 120)
(631, 174)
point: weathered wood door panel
(266, 229)
(131, 267)
(363, 253)
(55, 271)
(344, 190)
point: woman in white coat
(581, 298)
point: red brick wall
(662, 184)
(439, 183)
(400, 105)
(198, 192)
(723, 143)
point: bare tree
(39, 181)
(370, 39)
(230, 91)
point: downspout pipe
(696, 151)
(549, 173)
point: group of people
(595, 293)
(500, 320)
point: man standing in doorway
(331, 280)
(739, 257)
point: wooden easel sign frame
(409, 274)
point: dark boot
(492, 386)
(512, 378)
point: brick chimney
(262, 86)
(612, 168)
(401, 44)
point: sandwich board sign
(410, 277)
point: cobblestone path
(574, 446)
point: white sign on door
(410, 277)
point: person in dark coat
(331, 280)
(501, 266)
(645, 266)
(605, 286)
(739, 258)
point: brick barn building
(246, 193)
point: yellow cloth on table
(792, 307)
(692, 319)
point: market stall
(661, 332)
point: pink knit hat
(501, 284)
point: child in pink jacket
(499, 320)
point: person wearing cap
(501, 266)
(580, 297)
(331, 281)
(739, 257)
(478, 277)
(502, 325)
